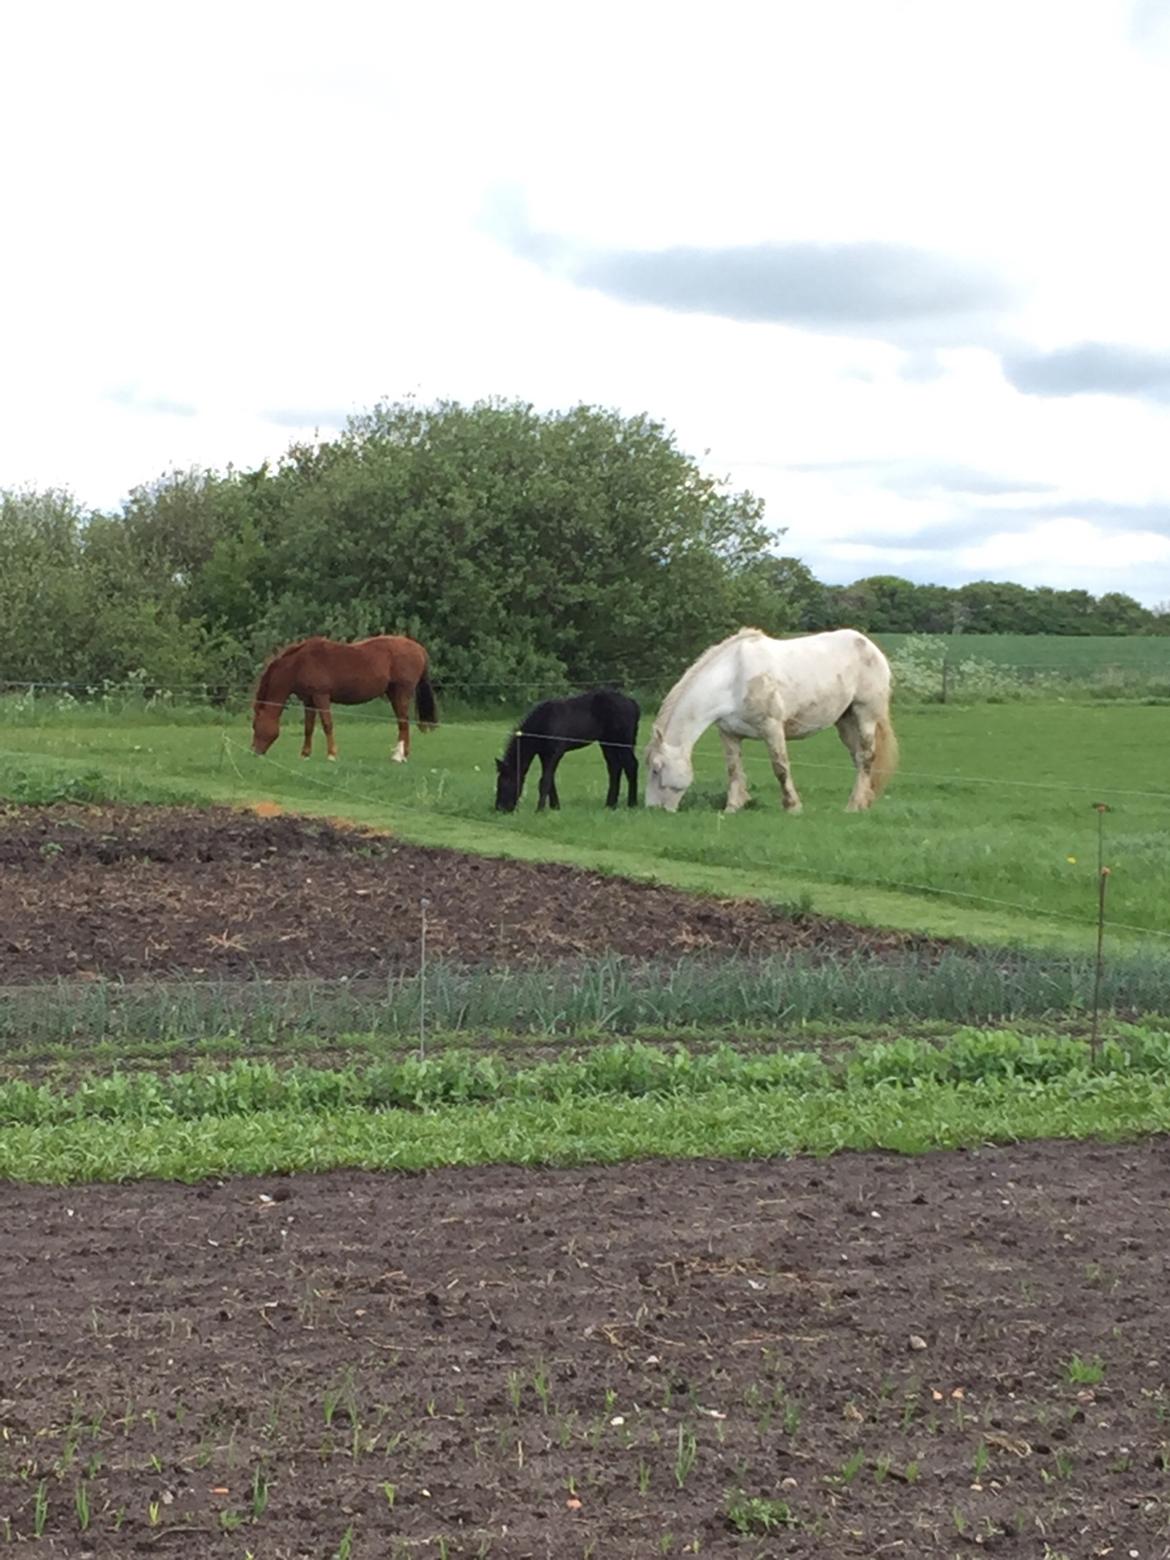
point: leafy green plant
(1084, 1372)
(750, 1514)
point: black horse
(554, 726)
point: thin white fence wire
(837, 880)
(391, 806)
(349, 714)
(1070, 671)
(345, 714)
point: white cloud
(1069, 546)
(276, 211)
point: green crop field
(1003, 667)
(1088, 655)
(988, 832)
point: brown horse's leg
(400, 698)
(310, 718)
(325, 710)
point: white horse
(776, 690)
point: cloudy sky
(899, 266)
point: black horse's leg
(613, 763)
(549, 759)
(630, 765)
(548, 766)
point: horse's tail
(424, 705)
(885, 754)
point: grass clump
(755, 1514)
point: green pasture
(1070, 656)
(989, 832)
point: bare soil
(957, 1354)
(153, 891)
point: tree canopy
(520, 547)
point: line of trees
(520, 547)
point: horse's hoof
(398, 758)
(332, 757)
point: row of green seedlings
(755, 1514)
(770, 1407)
(623, 1069)
(612, 993)
(339, 1408)
(340, 1403)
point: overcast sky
(899, 266)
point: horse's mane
(270, 666)
(522, 728)
(708, 655)
(509, 757)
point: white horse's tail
(885, 755)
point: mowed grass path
(988, 832)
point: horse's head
(265, 725)
(669, 773)
(507, 788)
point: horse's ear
(499, 766)
(657, 735)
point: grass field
(1071, 655)
(989, 831)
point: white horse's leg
(858, 732)
(778, 748)
(737, 789)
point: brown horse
(323, 672)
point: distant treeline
(522, 548)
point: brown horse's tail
(424, 705)
(885, 755)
